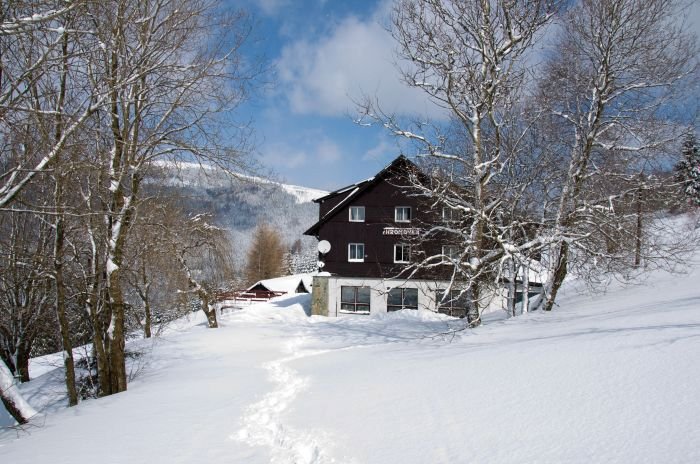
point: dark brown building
(372, 225)
(374, 228)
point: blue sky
(324, 54)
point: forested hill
(239, 204)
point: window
(356, 252)
(454, 304)
(357, 214)
(450, 252)
(402, 298)
(402, 253)
(354, 299)
(402, 214)
(449, 214)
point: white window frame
(357, 208)
(450, 216)
(450, 257)
(396, 213)
(402, 245)
(356, 260)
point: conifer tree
(688, 170)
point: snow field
(611, 378)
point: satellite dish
(320, 264)
(324, 247)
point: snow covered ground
(610, 378)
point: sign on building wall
(400, 231)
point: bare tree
(615, 65)
(468, 57)
(25, 302)
(206, 260)
(265, 258)
(32, 53)
(168, 86)
(25, 289)
(152, 268)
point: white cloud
(355, 59)
(272, 7)
(327, 152)
(284, 156)
(381, 150)
(281, 156)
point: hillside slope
(240, 203)
(609, 378)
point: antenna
(324, 247)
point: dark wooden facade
(379, 231)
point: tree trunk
(638, 231)
(97, 318)
(15, 404)
(146, 301)
(115, 346)
(59, 239)
(473, 313)
(208, 310)
(526, 288)
(512, 287)
(99, 351)
(558, 276)
(68, 361)
(22, 366)
(147, 322)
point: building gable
(337, 202)
(372, 228)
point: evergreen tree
(688, 170)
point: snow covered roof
(286, 284)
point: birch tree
(13, 401)
(468, 57)
(615, 66)
(169, 85)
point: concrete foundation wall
(319, 296)
(379, 289)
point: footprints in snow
(262, 424)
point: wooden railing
(243, 296)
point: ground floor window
(454, 304)
(402, 298)
(354, 299)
